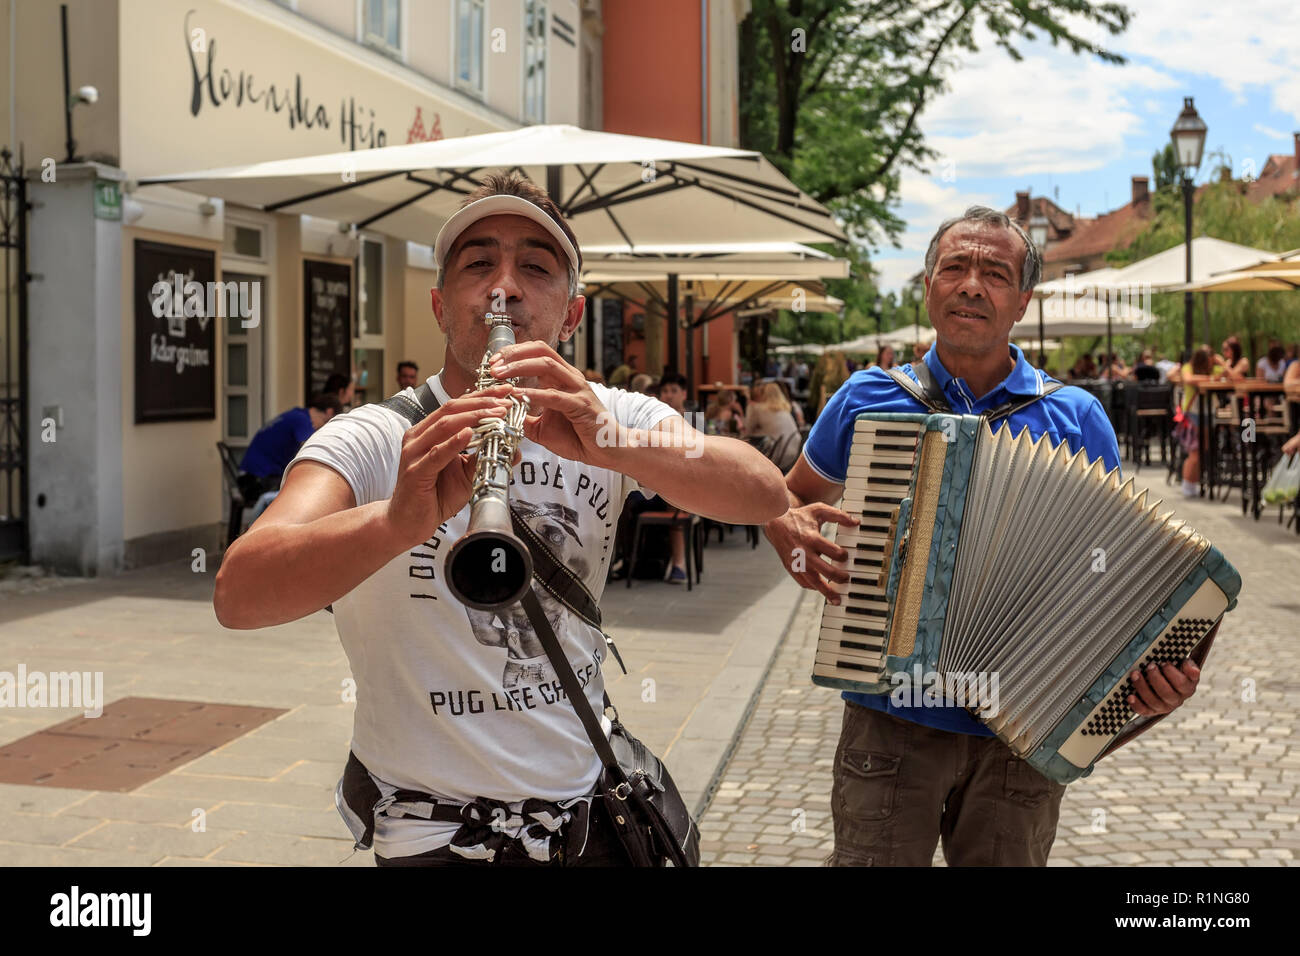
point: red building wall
(651, 75)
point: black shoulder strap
(1010, 408)
(925, 390)
(550, 572)
(415, 412)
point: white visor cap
(499, 206)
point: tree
(832, 90)
(1164, 168)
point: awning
(614, 189)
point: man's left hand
(1162, 688)
(570, 417)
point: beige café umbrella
(613, 188)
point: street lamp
(1188, 135)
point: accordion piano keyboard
(852, 642)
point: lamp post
(877, 310)
(1188, 135)
(1038, 236)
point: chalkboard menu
(327, 298)
(175, 332)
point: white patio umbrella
(788, 260)
(904, 335)
(612, 188)
(1251, 280)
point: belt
(542, 828)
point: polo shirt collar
(1023, 380)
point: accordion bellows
(1018, 579)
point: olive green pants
(899, 787)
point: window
(245, 241)
(469, 45)
(535, 61)
(381, 26)
(368, 339)
(372, 288)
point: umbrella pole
(690, 347)
(1042, 354)
(670, 323)
(1110, 364)
(1205, 312)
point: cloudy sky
(1075, 129)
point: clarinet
(490, 567)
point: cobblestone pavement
(695, 659)
(1215, 784)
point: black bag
(642, 800)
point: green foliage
(832, 90)
(1224, 211)
(1164, 168)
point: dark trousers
(602, 848)
(900, 787)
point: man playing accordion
(906, 776)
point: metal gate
(13, 360)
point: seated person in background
(1292, 375)
(672, 392)
(1114, 368)
(342, 388)
(1201, 368)
(619, 376)
(1272, 366)
(796, 408)
(769, 416)
(724, 416)
(408, 374)
(275, 444)
(641, 383)
(1144, 370)
(1164, 366)
(885, 358)
(1234, 363)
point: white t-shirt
(456, 702)
(1270, 372)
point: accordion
(1015, 578)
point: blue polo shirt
(276, 442)
(1068, 415)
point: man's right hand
(798, 540)
(434, 478)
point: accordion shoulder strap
(1013, 406)
(925, 389)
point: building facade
(128, 391)
(674, 75)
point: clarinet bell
(489, 567)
